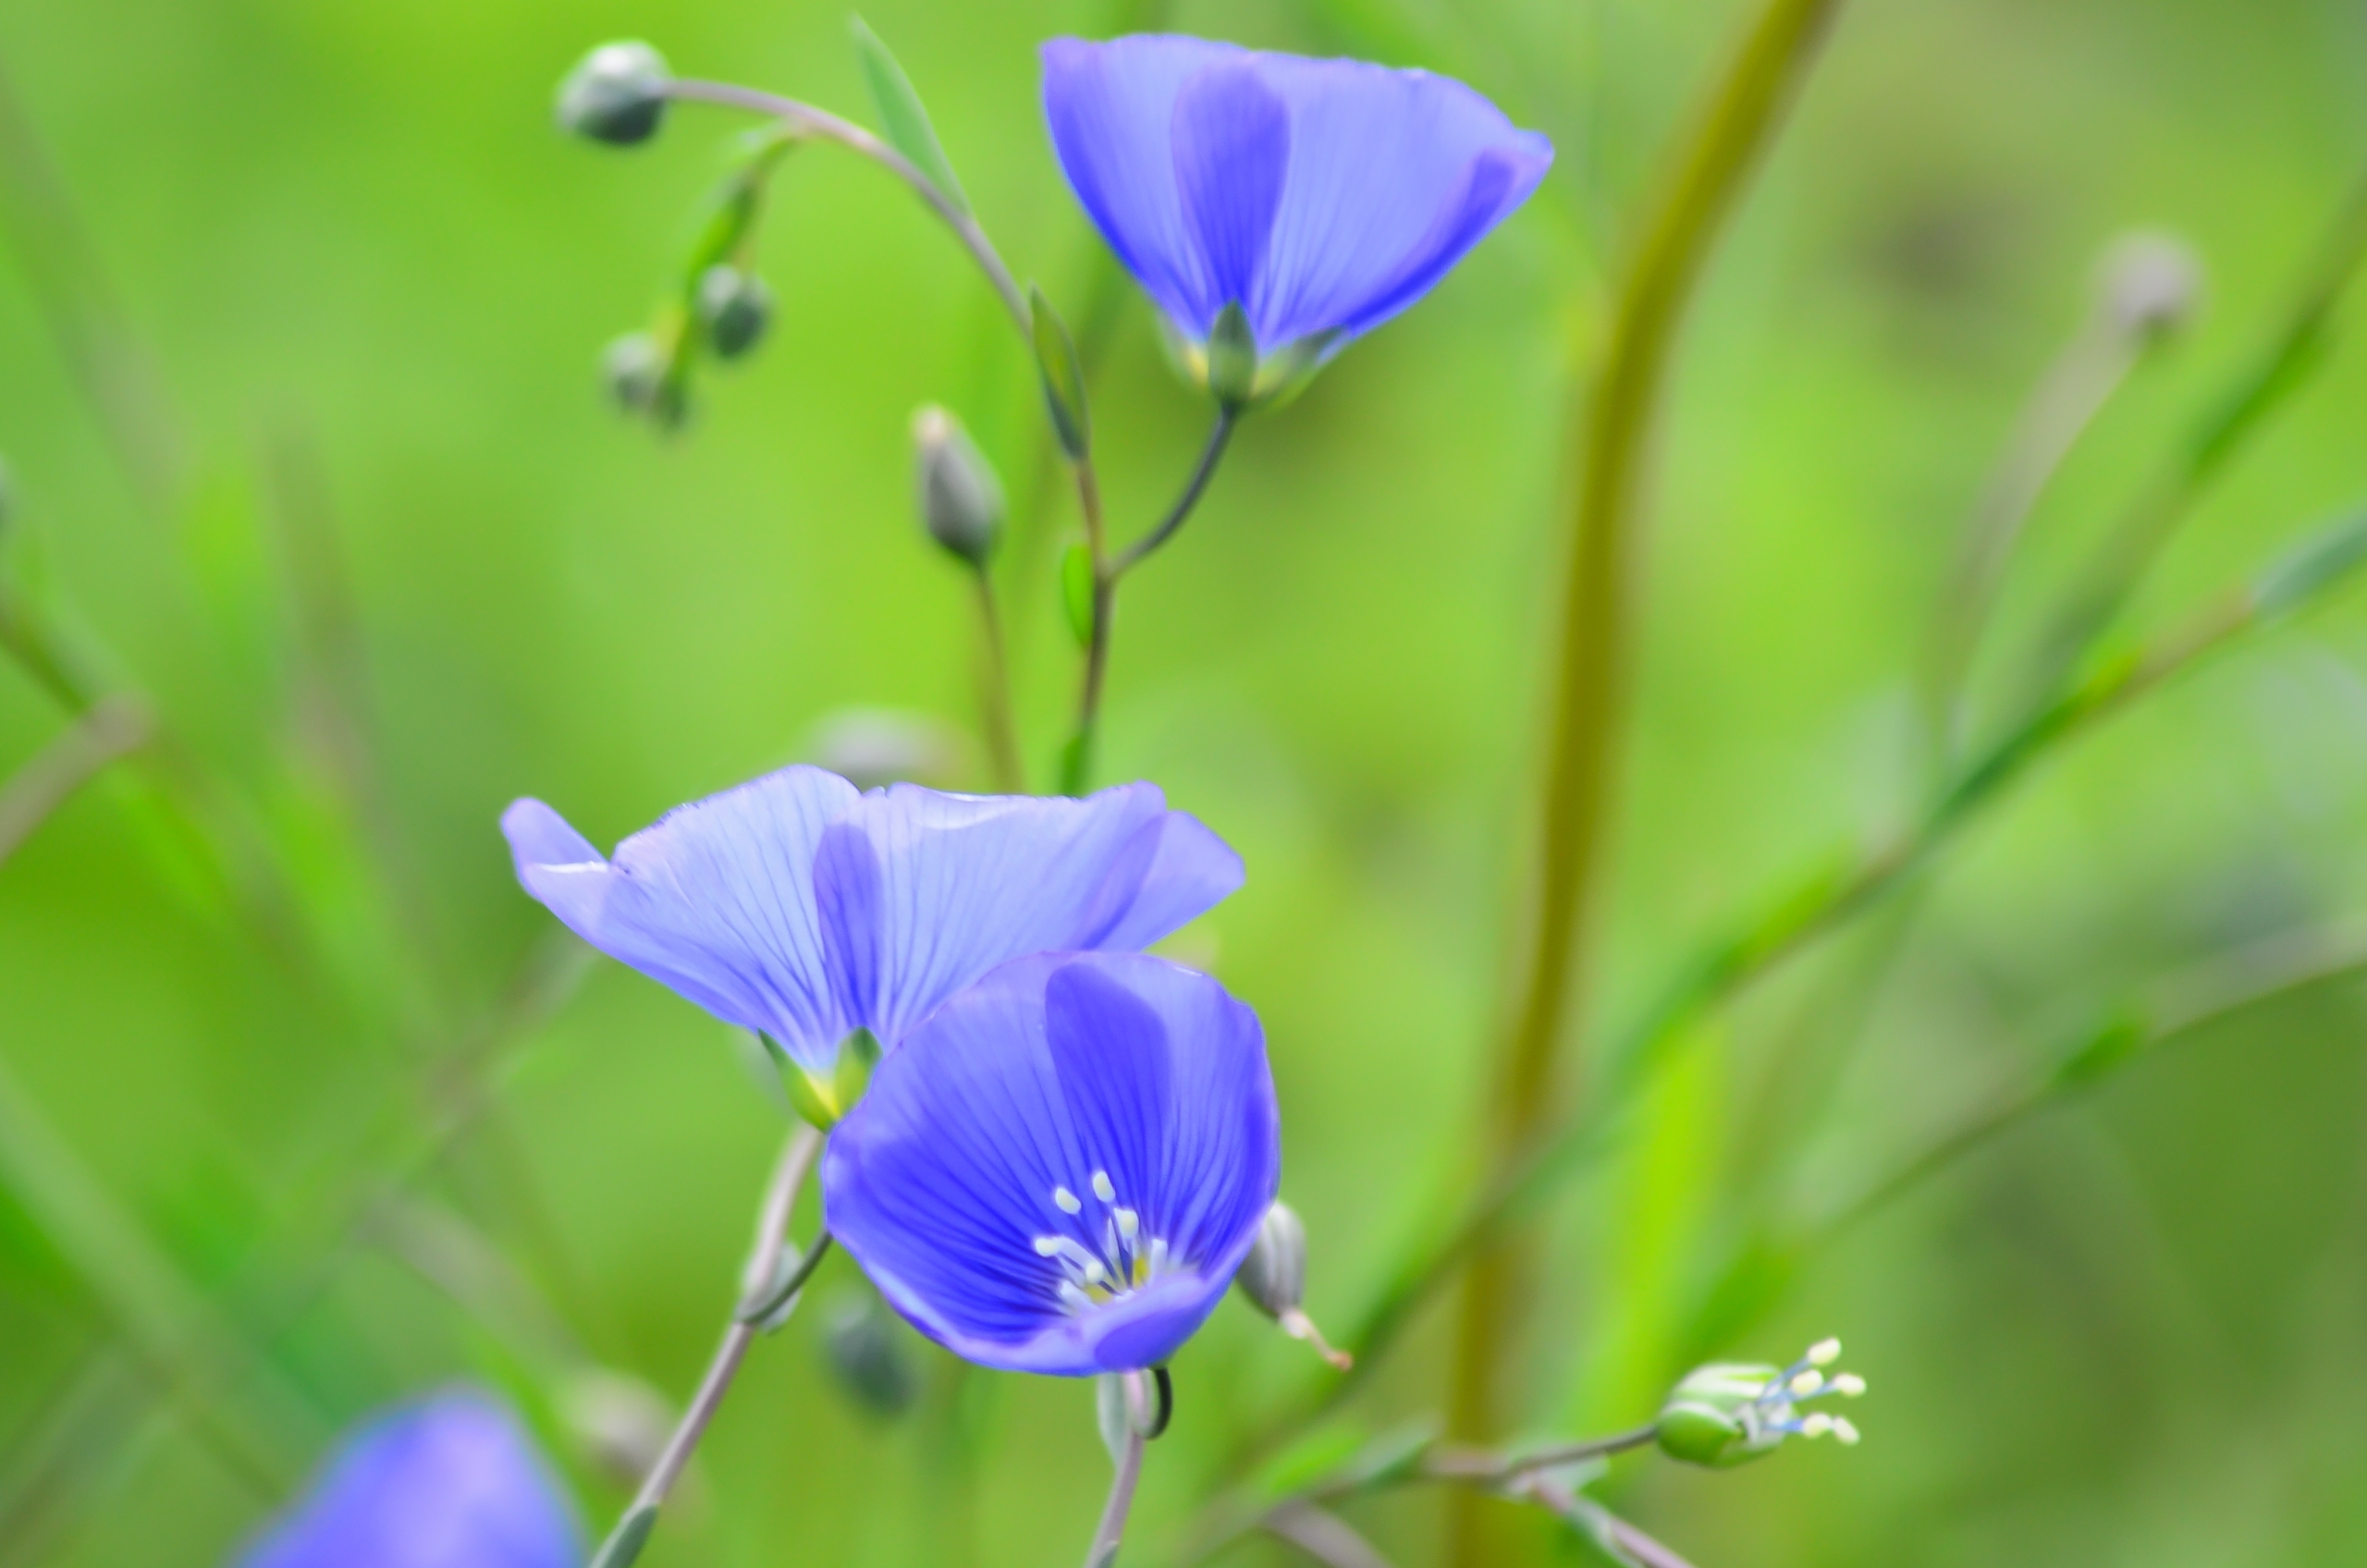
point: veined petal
(922, 893)
(1232, 140)
(1063, 1168)
(452, 1483)
(714, 900)
(1110, 108)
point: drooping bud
(1730, 1413)
(617, 95)
(1274, 1279)
(860, 1346)
(2152, 285)
(961, 499)
(633, 371)
(735, 306)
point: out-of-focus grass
(401, 565)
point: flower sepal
(824, 1097)
(1275, 379)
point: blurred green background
(299, 329)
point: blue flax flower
(449, 1483)
(1062, 1169)
(1323, 196)
(803, 908)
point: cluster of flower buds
(1730, 1413)
(959, 498)
(1274, 1278)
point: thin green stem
(808, 120)
(994, 693)
(759, 1298)
(113, 729)
(1111, 1532)
(1609, 453)
(1109, 569)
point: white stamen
(1807, 1383)
(1824, 1353)
(1129, 1223)
(1049, 1246)
(1102, 1189)
(1075, 1299)
(1816, 1425)
(1849, 1385)
(1843, 1431)
(1068, 1201)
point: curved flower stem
(1323, 1536)
(758, 1300)
(808, 120)
(1113, 1528)
(1107, 571)
(114, 728)
(1610, 458)
(994, 693)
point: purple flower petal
(1069, 1113)
(452, 1483)
(1386, 178)
(795, 906)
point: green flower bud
(1274, 1279)
(1729, 1412)
(860, 1346)
(2152, 285)
(617, 95)
(735, 306)
(961, 499)
(634, 371)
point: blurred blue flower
(798, 907)
(449, 1483)
(1324, 196)
(1062, 1169)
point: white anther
(1068, 1201)
(1816, 1425)
(1844, 1432)
(1807, 1383)
(1849, 1385)
(1824, 1353)
(1102, 1189)
(1075, 1299)
(1129, 1223)
(1096, 1273)
(1049, 1246)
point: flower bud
(860, 1347)
(1274, 1278)
(2152, 285)
(961, 500)
(1730, 1413)
(617, 95)
(735, 306)
(634, 370)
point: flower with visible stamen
(1060, 1169)
(449, 1483)
(802, 909)
(1728, 1413)
(1321, 197)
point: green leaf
(901, 118)
(1063, 378)
(1076, 592)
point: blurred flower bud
(860, 1345)
(634, 370)
(735, 306)
(622, 1423)
(870, 747)
(961, 499)
(1730, 1413)
(617, 95)
(2152, 284)
(1274, 1278)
